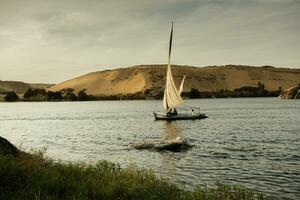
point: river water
(254, 142)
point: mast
(171, 94)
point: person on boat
(175, 112)
(169, 113)
(193, 112)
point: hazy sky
(51, 41)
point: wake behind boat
(172, 98)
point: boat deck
(164, 116)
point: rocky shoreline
(291, 93)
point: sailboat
(172, 98)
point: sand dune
(120, 81)
(139, 78)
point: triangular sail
(181, 86)
(171, 95)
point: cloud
(40, 38)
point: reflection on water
(172, 130)
(169, 164)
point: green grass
(32, 176)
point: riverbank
(68, 94)
(32, 176)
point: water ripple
(254, 142)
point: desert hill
(140, 78)
(20, 87)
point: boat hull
(163, 116)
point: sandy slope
(139, 78)
(119, 81)
(19, 87)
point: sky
(52, 41)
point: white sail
(171, 95)
(181, 86)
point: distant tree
(82, 96)
(154, 92)
(260, 85)
(39, 91)
(71, 97)
(11, 96)
(194, 93)
(29, 93)
(34, 92)
(67, 91)
(54, 96)
(147, 91)
(68, 94)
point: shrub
(68, 94)
(34, 92)
(53, 96)
(11, 96)
(82, 96)
(194, 93)
(29, 93)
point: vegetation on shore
(32, 176)
(43, 95)
(68, 94)
(246, 91)
(11, 96)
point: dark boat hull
(163, 116)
